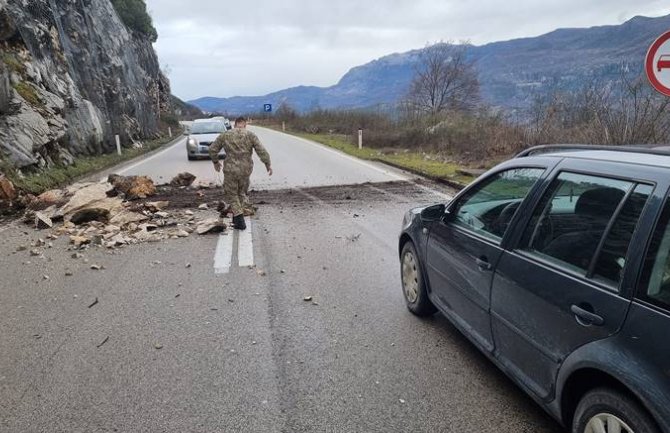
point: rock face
(71, 77)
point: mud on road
(400, 191)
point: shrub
(134, 15)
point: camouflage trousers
(235, 188)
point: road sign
(657, 64)
(267, 108)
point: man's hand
(269, 169)
(217, 166)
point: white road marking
(143, 161)
(223, 256)
(245, 246)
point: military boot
(239, 223)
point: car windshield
(207, 128)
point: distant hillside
(511, 72)
(184, 110)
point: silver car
(202, 134)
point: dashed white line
(245, 246)
(223, 256)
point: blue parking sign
(267, 108)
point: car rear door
(560, 287)
(463, 248)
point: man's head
(240, 122)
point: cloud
(219, 48)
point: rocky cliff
(71, 77)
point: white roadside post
(360, 138)
(283, 126)
(118, 144)
(170, 132)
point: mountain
(72, 76)
(183, 110)
(510, 72)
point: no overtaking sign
(657, 64)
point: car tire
(605, 405)
(191, 158)
(413, 284)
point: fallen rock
(7, 189)
(133, 187)
(78, 241)
(183, 179)
(156, 206)
(203, 206)
(124, 217)
(54, 197)
(42, 221)
(211, 225)
(35, 253)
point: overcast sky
(253, 47)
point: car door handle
(483, 264)
(585, 317)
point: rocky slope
(71, 77)
(511, 73)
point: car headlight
(192, 142)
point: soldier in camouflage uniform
(238, 165)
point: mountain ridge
(521, 68)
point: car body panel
(629, 348)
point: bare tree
(445, 79)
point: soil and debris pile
(119, 212)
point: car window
(488, 208)
(611, 259)
(655, 283)
(207, 127)
(572, 217)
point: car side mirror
(434, 213)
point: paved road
(242, 350)
(296, 163)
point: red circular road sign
(657, 64)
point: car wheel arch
(587, 378)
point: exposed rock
(182, 179)
(84, 77)
(133, 187)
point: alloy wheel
(607, 423)
(410, 277)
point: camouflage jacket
(239, 144)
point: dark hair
(240, 120)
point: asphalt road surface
(219, 347)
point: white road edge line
(223, 255)
(245, 246)
(143, 161)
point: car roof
(212, 120)
(657, 156)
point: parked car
(201, 135)
(663, 62)
(556, 265)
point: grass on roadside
(416, 162)
(61, 175)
